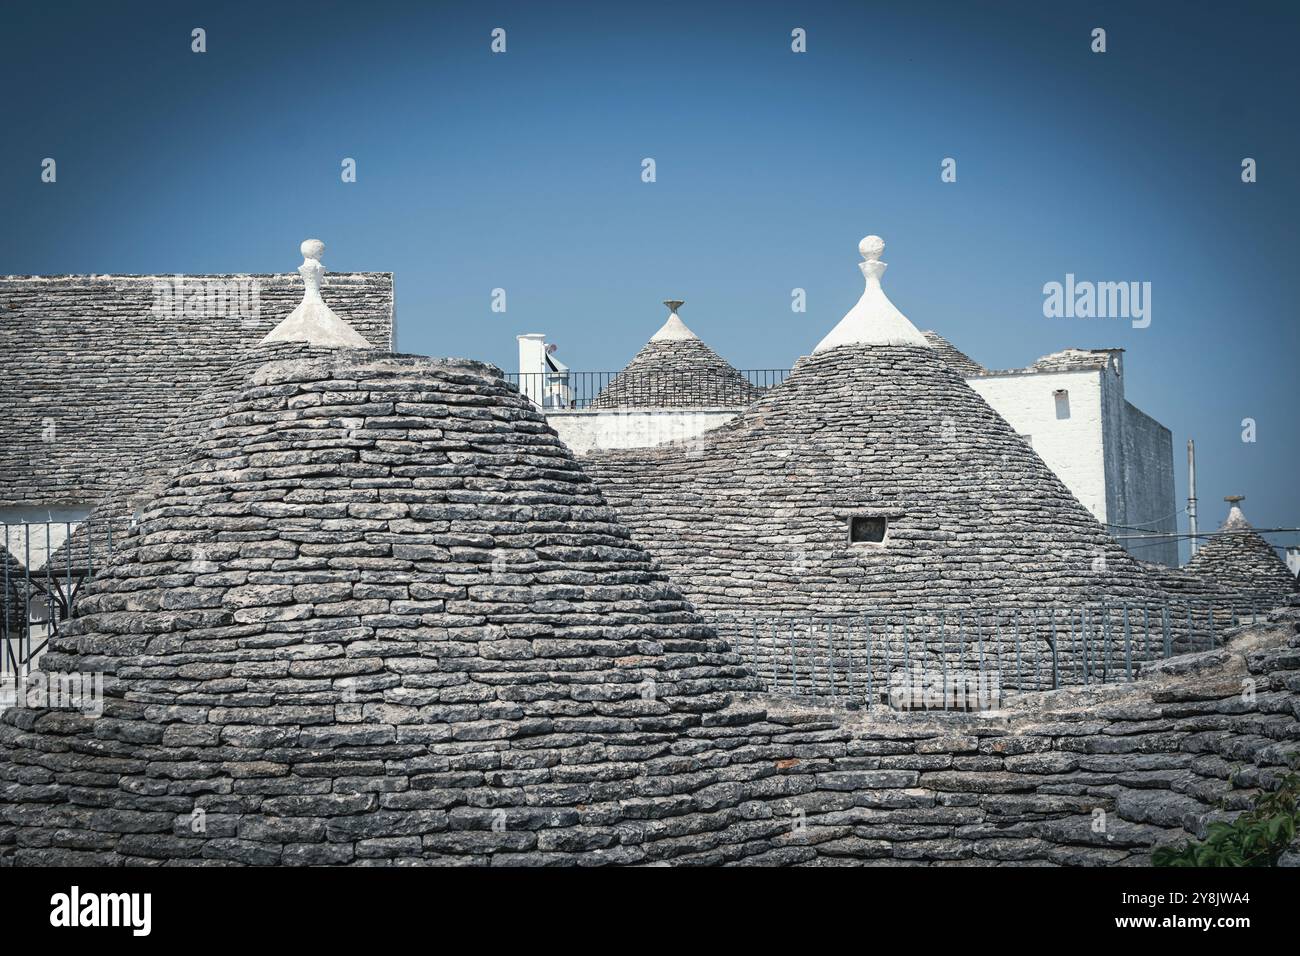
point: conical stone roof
(956, 359)
(1238, 559)
(108, 525)
(753, 520)
(312, 328)
(675, 369)
(378, 612)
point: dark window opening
(866, 529)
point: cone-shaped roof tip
(674, 329)
(1236, 518)
(874, 320)
(313, 321)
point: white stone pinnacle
(874, 320)
(674, 329)
(313, 321)
(1236, 518)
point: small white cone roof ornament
(874, 320)
(314, 321)
(674, 329)
(1235, 519)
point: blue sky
(523, 171)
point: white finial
(674, 329)
(314, 321)
(874, 320)
(871, 248)
(311, 269)
(1235, 519)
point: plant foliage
(1256, 838)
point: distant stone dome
(1239, 560)
(675, 369)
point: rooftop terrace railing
(702, 388)
(868, 660)
(865, 660)
(43, 568)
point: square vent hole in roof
(867, 529)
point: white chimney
(532, 365)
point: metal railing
(701, 388)
(862, 660)
(43, 568)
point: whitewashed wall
(584, 430)
(1148, 486)
(1073, 447)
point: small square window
(866, 529)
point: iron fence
(861, 660)
(700, 388)
(864, 660)
(43, 568)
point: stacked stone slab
(109, 525)
(379, 612)
(957, 360)
(1239, 559)
(93, 369)
(753, 519)
(675, 369)
(1083, 777)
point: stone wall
(1087, 777)
(1067, 434)
(1148, 483)
(93, 368)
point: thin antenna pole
(1191, 491)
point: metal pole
(4, 603)
(850, 643)
(1146, 629)
(27, 600)
(1019, 683)
(1105, 643)
(812, 656)
(794, 663)
(830, 652)
(1056, 674)
(1083, 639)
(67, 563)
(871, 687)
(1191, 491)
(1128, 646)
(943, 653)
(776, 647)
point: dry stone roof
(109, 524)
(377, 600)
(957, 360)
(379, 615)
(753, 518)
(1239, 559)
(676, 369)
(94, 368)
